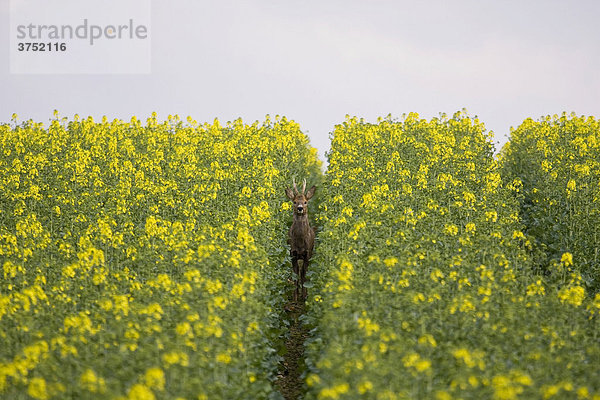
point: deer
(301, 236)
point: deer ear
(310, 192)
(289, 194)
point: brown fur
(301, 236)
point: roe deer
(301, 237)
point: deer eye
(304, 202)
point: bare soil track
(289, 380)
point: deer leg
(296, 276)
(303, 274)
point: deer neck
(301, 218)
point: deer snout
(300, 208)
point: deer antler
(295, 188)
(304, 186)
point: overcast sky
(316, 61)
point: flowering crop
(143, 261)
(426, 286)
(558, 161)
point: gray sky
(503, 61)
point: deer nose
(300, 208)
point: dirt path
(289, 383)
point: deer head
(300, 198)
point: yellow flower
(451, 229)
(223, 358)
(91, 382)
(37, 389)
(536, 288)
(334, 392)
(369, 326)
(428, 339)
(140, 392)
(573, 295)
(567, 259)
(413, 360)
(312, 379)
(365, 386)
(176, 358)
(442, 395)
(155, 378)
(390, 262)
(183, 329)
